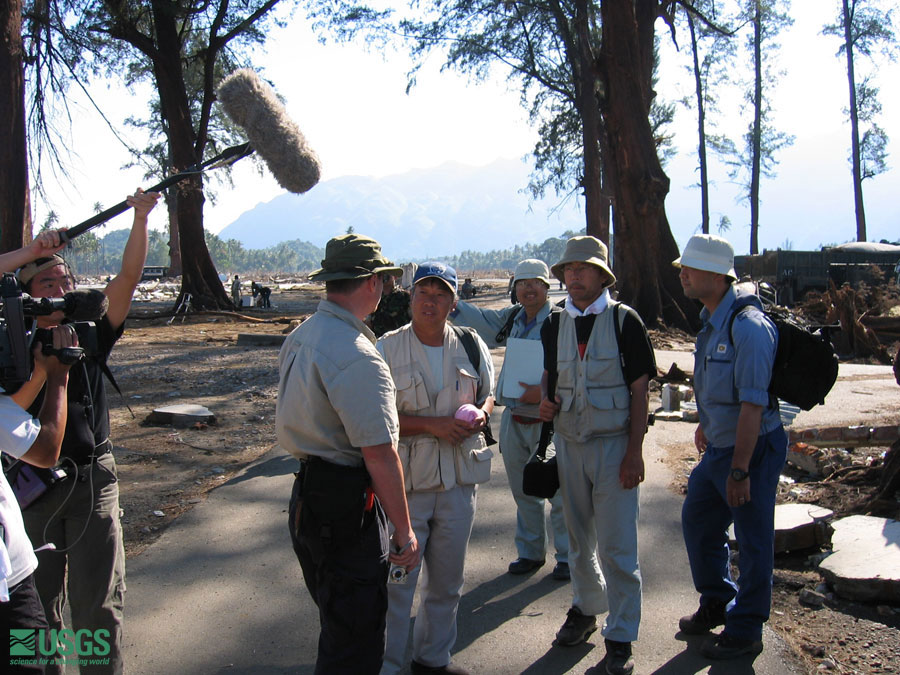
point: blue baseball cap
(436, 270)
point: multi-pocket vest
(430, 463)
(594, 398)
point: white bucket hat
(709, 253)
(532, 268)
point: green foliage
(550, 251)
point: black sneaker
(524, 565)
(709, 616)
(450, 669)
(576, 629)
(561, 572)
(725, 646)
(618, 658)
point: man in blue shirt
(744, 447)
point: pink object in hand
(468, 413)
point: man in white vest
(601, 353)
(444, 378)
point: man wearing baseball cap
(744, 447)
(444, 400)
(520, 426)
(601, 352)
(336, 414)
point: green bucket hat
(352, 256)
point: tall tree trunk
(596, 223)
(174, 243)
(199, 276)
(644, 245)
(701, 130)
(13, 157)
(756, 141)
(854, 128)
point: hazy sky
(352, 106)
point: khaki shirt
(336, 394)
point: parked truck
(794, 273)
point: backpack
(806, 365)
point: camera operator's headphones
(28, 272)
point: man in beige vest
(444, 379)
(601, 352)
(336, 414)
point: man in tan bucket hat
(601, 354)
(336, 414)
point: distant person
(743, 446)
(236, 291)
(468, 291)
(336, 413)
(600, 412)
(520, 426)
(393, 310)
(263, 293)
(447, 457)
(511, 289)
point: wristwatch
(739, 475)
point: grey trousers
(88, 522)
(442, 522)
(602, 518)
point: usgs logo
(53, 642)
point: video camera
(18, 328)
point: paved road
(221, 591)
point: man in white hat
(520, 426)
(744, 447)
(602, 355)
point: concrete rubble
(181, 415)
(865, 564)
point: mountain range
(415, 215)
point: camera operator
(80, 515)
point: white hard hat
(709, 253)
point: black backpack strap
(109, 376)
(467, 338)
(507, 327)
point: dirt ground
(164, 470)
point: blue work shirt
(726, 375)
(488, 323)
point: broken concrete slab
(260, 340)
(181, 415)
(801, 526)
(865, 564)
(797, 527)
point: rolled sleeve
(364, 397)
(487, 322)
(19, 430)
(755, 339)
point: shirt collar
(596, 307)
(723, 310)
(340, 313)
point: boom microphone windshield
(87, 304)
(253, 105)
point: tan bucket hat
(531, 268)
(709, 253)
(352, 256)
(585, 249)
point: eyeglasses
(531, 283)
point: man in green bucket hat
(336, 413)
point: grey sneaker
(576, 629)
(707, 617)
(618, 658)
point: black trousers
(343, 554)
(24, 610)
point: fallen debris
(865, 564)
